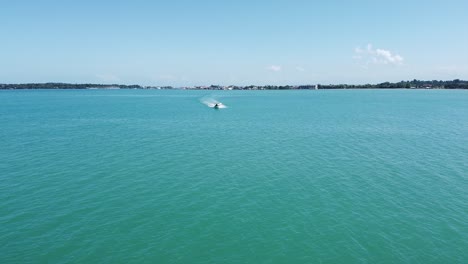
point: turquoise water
(136, 176)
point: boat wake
(211, 102)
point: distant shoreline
(197, 89)
(414, 84)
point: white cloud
(275, 68)
(358, 50)
(376, 56)
(387, 57)
(299, 68)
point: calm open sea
(156, 176)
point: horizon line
(230, 85)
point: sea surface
(156, 176)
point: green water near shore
(137, 176)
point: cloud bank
(369, 55)
(275, 68)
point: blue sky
(232, 42)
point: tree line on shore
(416, 84)
(67, 86)
(435, 84)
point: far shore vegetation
(414, 84)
